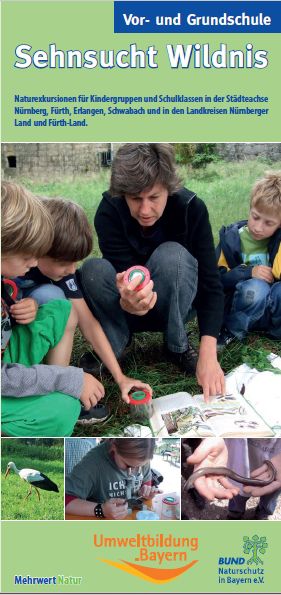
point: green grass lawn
(225, 188)
(14, 505)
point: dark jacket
(229, 256)
(185, 220)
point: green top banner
(67, 76)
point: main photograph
(141, 290)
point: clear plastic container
(170, 507)
(140, 405)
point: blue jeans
(256, 305)
(174, 272)
(43, 293)
(266, 504)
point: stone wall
(44, 161)
(242, 151)
(53, 160)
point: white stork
(34, 478)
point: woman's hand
(209, 373)
(132, 301)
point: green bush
(184, 153)
(197, 156)
(33, 448)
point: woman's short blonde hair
(266, 193)
(26, 226)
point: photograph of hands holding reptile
(231, 479)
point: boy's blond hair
(266, 193)
(26, 226)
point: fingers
(145, 491)
(92, 391)
(214, 487)
(206, 392)
(220, 386)
(141, 385)
(96, 388)
(210, 446)
(94, 399)
(213, 383)
(132, 286)
(135, 282)
(226, 483)
(24, 318)
(99, 389)
(143, 298)
(120, 279)
(262, 473)
(125, 396)
(153, 300)
(24, 311)
(262, 491)
(85, 402)
(263, 470)
(263, 272)
(120, 512)
(116, 508)
(27, 304)
(224, 494)
(137, 302)
(138, 308)
(90, 400)
(128, 384)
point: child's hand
(263, 272)
(115, 509)
(135, 302)
(126, 384)
(24, 311)
(148, 492)
(92, 391)
(262, 473)
(212, 452)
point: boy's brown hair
(72, 231)
(26, 226)
(266, 193)
(137, 167)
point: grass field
(46, 459)
(225, 188)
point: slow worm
(226, 472)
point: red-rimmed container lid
(12, 288)
(170, 500)
(140, 397)
(143, 273)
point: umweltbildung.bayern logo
(248, 569)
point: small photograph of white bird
(34, 478)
